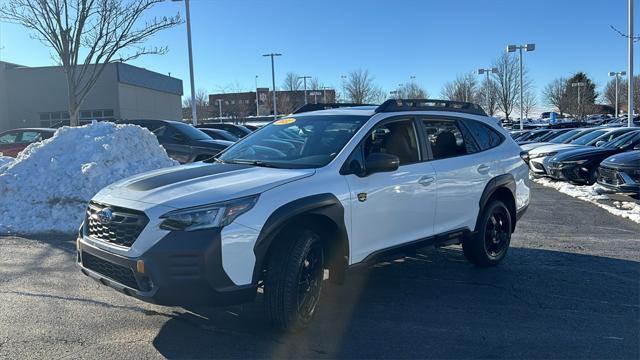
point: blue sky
(432, 40)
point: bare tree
(412, 90)
(286, 105)
(292, 82)
(507, 82)
(529, 102)
(86, 35)
(554, 94)
(314, 84)
(360, 88)
(609, 93)
(488, 96)
(463, 88)
(202, 104)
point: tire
(293, 280)
(493, 236)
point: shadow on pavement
(537, 304)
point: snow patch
(595, 194)
(47, 187)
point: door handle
(483, 169)
(426, 180)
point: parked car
(182, 142)
(538, 158)
(545, 137)
(237, 130)
(560, 139)
(218, 134)
(251, 127)
(581, 165)
(356, 185)
(532, 136)
(12, 142)
(621, 172)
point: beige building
(37, 96)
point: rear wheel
(293, 280)
(491, 242)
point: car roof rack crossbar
(325, 106)
(393, 105)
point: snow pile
(597, 195)
(49, 184)
(5, 161)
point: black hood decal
(183, 174)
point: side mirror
(381, 162)
(600, 143)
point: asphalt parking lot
(569, 288)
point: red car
(14, 141)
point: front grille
(123, 229)
(538, 166)
(609, 176)
(117, 273)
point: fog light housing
(140, 266)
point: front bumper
(618, 180)
(183, 268)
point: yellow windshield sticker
(286, 121)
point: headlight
(207, 216)
(543, 154)
(572, 163)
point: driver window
(397, 138)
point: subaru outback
(315, 191)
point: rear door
(462, 170)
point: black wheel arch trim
(501, 181)
(326, 205)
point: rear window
(485, 136)
(191, 132)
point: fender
(500, 181)
(326, 205)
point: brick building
(243, 104)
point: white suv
(318, 190)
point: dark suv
(183, 142)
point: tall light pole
(273, 83)
(194, 112)
(630, 66)
(257, 103)
(304, 80)
(344, 86)
(324, 93)
(513, 48)
(617, 74)
(487, 71)
(579, 85)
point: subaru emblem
(105, 215)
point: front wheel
(491, 242)
(293, 280)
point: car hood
(583, 153)
(625, 159)
(199, 183)
(552, 148)
(531, 146)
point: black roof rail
(393, 105)
(325, 106)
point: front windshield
(623, 141)
(583, 140)
(191, 132)
(306, 141)
(564, 137)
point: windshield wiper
(252, 162)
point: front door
(391, 208)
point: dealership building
(38, 97)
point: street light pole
(219, 109)
(257, 103)
(273, 83)
(617, 74)
(487, 71)
(630, 66)
(194, 113)
(513, 48)
(304, 80)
